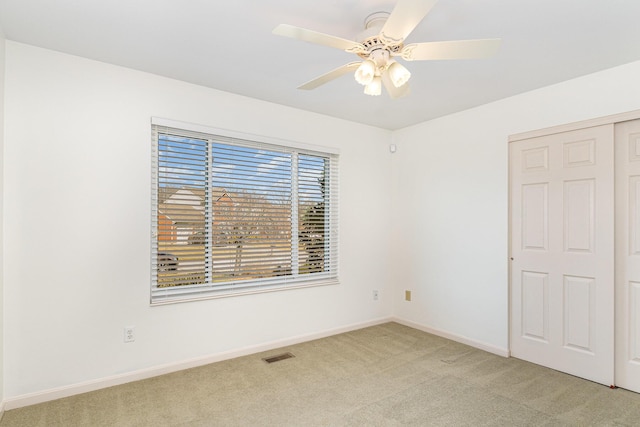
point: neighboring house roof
(225, 198)
(166, 193)
(182, 206)
(181, 213)
(186, 205)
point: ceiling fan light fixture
(375, 87)
(383, 40)
(366, 72)
(398, 74)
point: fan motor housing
(374, 43)
(370, 37)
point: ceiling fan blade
(405, 17)
(331, 75)
(459, 49)
(318, 38)
(394, 92)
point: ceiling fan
(382, 42)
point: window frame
(176, 294)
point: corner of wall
(2, 67)
(394, 199)
(490, 348)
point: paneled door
(628, 255)
(562, 251)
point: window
(234, 214)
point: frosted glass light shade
(398, 74)
(375, 87)
(365, 72)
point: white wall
(77, 205)
(450, 198)
(2, 63)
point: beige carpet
(386, 375)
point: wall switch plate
(129, 333)
(407, 295)
(375, 295)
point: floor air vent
(278, 358)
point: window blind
(233, 215)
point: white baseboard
(84, 387)
(504, 352)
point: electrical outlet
(407, 295)
(129, 333)
(375, 295)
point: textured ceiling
(229, 46)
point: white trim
(277, 287)
(87, 386)
(509, 244)
(504, 352)
(193, 127)
(606, 120)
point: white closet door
(562, 247)
(628, 255)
